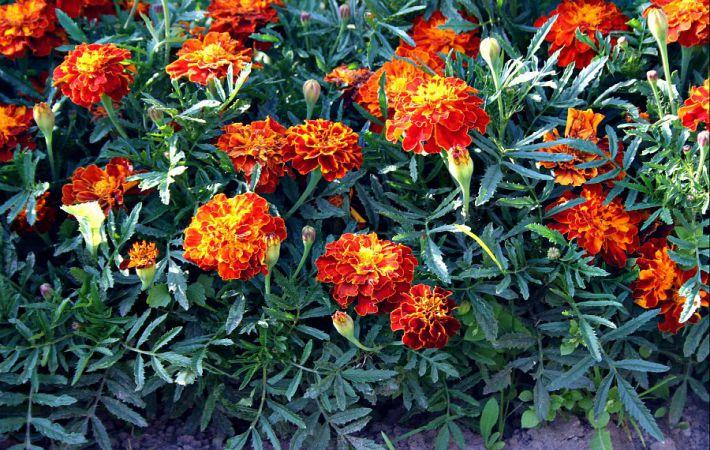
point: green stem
(50, 156)
(267, 283)
(659, 104)
(363, 347)
(686, 55)
(466, 202)
(166, 16)
(131, 14)
(669, 79)
(312, 183)
(108, 106)
(306, 251)
(701, 162)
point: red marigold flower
(91, 9)
(29, 25)
(45, 215)
(436, 113)
(580, 125)
(232, 235)
(108, 186)
(207, 58)
(330, 146)
(241, 18)
(696, 109)
(657, 274)
(92, 70)
(346, 78)
(687, 20)
(424, 314)
(142, 255)
(260, 142)
(362, 268)
(607, 229)
(15, 122)
(587, 16)
(673, 308)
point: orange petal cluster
(321, 144)
(15, 121)
(45, 215)
(606, 229)
(260, 142)
(108, 186)
(241, 18)
(141, 255)
(232, 235)
(92, 70)
(688, 22)
(580, 125)
(346, 78)
(696, 109)
(362, 268)
(29, 26)
(587, 16)
(425, 316)
(435, 114)
(209, 57)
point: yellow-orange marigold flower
(608, 229)
(232, 235)
(29, 25)
(436, 113)
(45, 215)
(207, 58)
(346, 78)
(108, 186)
(372, 272)
(688, 22)
(92, 70)
(15, 121)
(696, 109)
(141, 255)
(321, 144)
(580, 125)
(241, 18)
(260, 142)
(587, 16)
(657, 274)
(425, 316)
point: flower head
(15, 121)
(241, 18)
(343, 324)
(657, 274)
(29, 26)
(232, 236)
(331, 146)
(425, 316)
(92, 70)
(346, 78)
(365, 269)
(260, 142)
(606, 229)
(45, 215)
(587, 16)
(107, 186)
(436, 113)
(142, 255)
(687, 20)
(696, 109)
(207, 58)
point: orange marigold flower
(108, 186)
(608, 229)
(142, 255)
(29, 25)
(232, 235)
(696, 109)
(330, 146)
(241, 18)
(92, 70)
(15, 121)
(657, 274)
(425, 316)
(687, 20)
(362, 268)
(209, 57)
(91, 9)
(673, 308)
(580, 125)
(346, 78)
(436, 113)
(587, 16)
(260, 142)
(45, 215)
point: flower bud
(553, 253)
(686, 149)
(185, 377)
(91, 219)
(156, 115)
(311, 92)
(490, 51)
(703, 138)
(44, 117)
(652, 77)
(46, 291)
(273, 251)
(308, 234)
(146, 275)
(343, 323)
(658, 25)
(369, 17)
(305, 17)
(622, 42)
(344, 13)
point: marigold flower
(91, 9)
(580, 125)
(15, 121)
(209, 57)
(590, 17)
(696, 109)
(346, 78)
(29, 25)
(425, 316)
(657, 274)
(107, 186)
(260, 142)
(608, 229)
(45, 215)
(241, 18)
(331, 146)
(673, 308)
(436, 113)
(362, 268)
(141, 255)
(92, 70)
(687, 20)
(232, 236)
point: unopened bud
(343, 323)
(686, 149)
(703, 138)
(311, 92)
(652, 76)
(185, 377)
(156, 115)
(553, 253)
(46, 291)
(308, 234)
(461, 169)
(344, 12)
(369, 17)
(305, 17)
(273, 251)
(44, 117)
(622, 42)
(658, 25)
(490, 51)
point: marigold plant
(208, 58)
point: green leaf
(675, 411)
(287, 414)
(70, 26)
(572, 375)
(434, 260)
(442, 438)
(640, 365)
(590, 339)
(236, 313)
(368, 376)
(489, 418)
(489, 183)
(56, 432)
(529, 419)
(123, 412)
(159, 296)
(53, 400)
(601, 440)
(553, 236)
(630, 327)
(636, 409)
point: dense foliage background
(545, 328)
